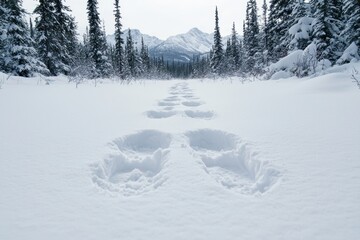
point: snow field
(278, 160)
(137, 165)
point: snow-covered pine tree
(96, 41)
(299, 34)
(46, 37)
(130, 53)
(20, 57)
(251, 37)
(65, 28)
(326, 30)
(72, 40)
(119, 50)
(144, 54)
(32, 33)
(4, 14)
(278, 25)
(352, 19)
(229, 61)
(107, 67)
(139, 66)
(264, 35)
(235, 48)
(216, 62)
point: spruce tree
(300, 36)
(144, 55)
(119, 51)
(20, 57)
(4, 14)
(66, 34)
(264, 35)
(352, 19)
(130, 54)
(235, 48)
(97, 41)
(326, 29)
(278, 25)
(251, 36)
(32, 34)
(218, 53)
(46, 37)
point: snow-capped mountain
(181, 47)
(150, 41)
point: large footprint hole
(213, 140)
(136, 165)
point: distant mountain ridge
(181, 48)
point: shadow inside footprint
(213, 140)
(136, 165)
(167, 104)
(232, 163)
(160, 114)
(191, 103)
(199, 114)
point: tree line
(50, 46)
(329, 27)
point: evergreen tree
(46, 37)
(139, 67)
(144, 55)
(32, 34)
(299, 34)
(235, 48)
(229, 61)
(66, 33)
(119, 51)
(352, 20)
(218, 53)
(278, 25)
(130, 54)
(327, 29)
(20, 56)
(251, 36)
(4, 14)
(97, 41)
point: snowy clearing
(181, 159)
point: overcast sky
(162, 18)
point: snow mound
(191, 103)
(298, 63)
(350, 55)
(232, 163)
(136, 165)
(199, 114)
(160, 114)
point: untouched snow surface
(181, 160)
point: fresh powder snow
(181, 159)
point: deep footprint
(192, 104)
(232, 163)
(199, 114)
(167, 104)
(136, 166)
(160, 114)
(213, 140)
